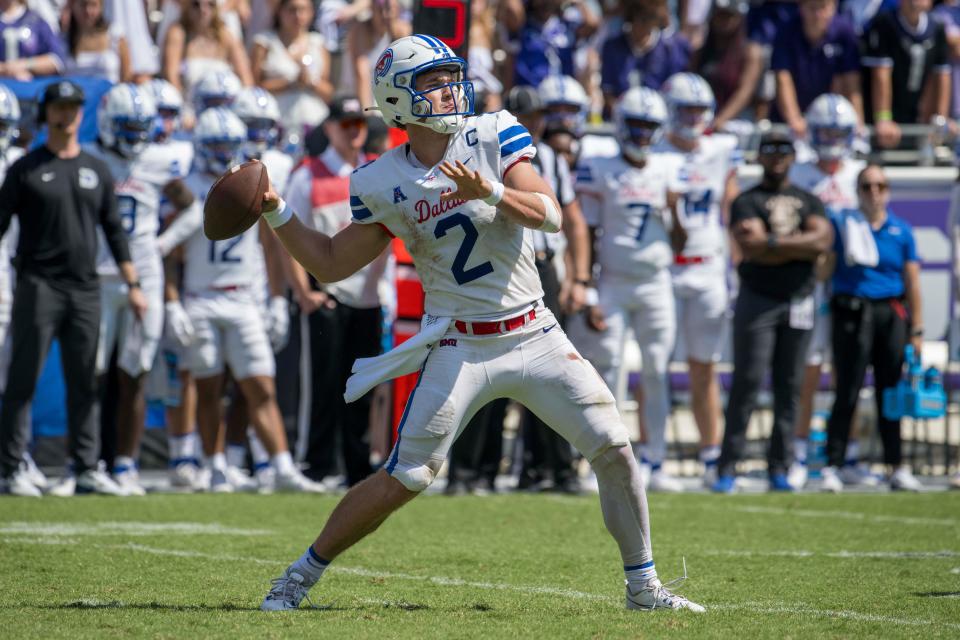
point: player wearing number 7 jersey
(464, 199)
(625, 203)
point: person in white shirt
(464, 198)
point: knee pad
(614, 463)
(414, 476)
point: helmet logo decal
(384, 63)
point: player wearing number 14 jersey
(464, 198)
(707, 187)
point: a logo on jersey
(384, 63)
(448, 342)
(425, 210)
(398, 195)
(87, 178)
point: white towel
(859, 245)
(399, 361)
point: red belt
(229, 287)
(490, 328)
(684, 260)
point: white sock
(853, 453)
(124, 464)
(800, 450)
(261, 458)
(217, 461)
(310, 566)
(283, 463)
(237, 455)
(710, 455)
(640, 574)
(182, 449)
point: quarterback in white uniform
(625, 203)
(707, 186)
(126, 118)
(463, 197)
(832, 177)
(224, 325)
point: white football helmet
(565, 102)
(126, 118)
(169, 105)
(832, 122)
(218, 89)
(639, 116)
(219, 137)
(690, 103)
(395, 80)
(260, 113)
(9, 118)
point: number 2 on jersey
(470, 235)
(225, 247)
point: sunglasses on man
(777, 149)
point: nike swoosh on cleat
(546, 330)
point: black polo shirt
(59, 203)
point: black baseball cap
(523, 100)
(62, 91)
(776, 142)
(346, 108)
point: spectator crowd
(252, 353)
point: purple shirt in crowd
(670, 55)
(949, 16)
(813, 67)
(28, 36)
(765, 20)
(538, 43)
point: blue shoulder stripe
(362, 213)
(355, 201)
(510, 132)
(516, 145)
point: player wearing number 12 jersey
(464, 198)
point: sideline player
(625, 202)
(126, 118)
(487, 334)
(709, 185)
(832, 177)
(228, 327)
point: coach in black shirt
(60, 195)
(781, 231)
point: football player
(707, 186)
(227, 325)
(470, 199)
(625, 204)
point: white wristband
(497, 195)
(552, 220)
(591, 297)
(279, 216)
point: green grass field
(509, 566)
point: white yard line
(846, 515)
(886, 555)
(60, 529)
(755, 607)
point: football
(235, 201)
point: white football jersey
(628, 205)
(8, 244)
(837, 191)
(472, 261)
(702, 181)
(139, 184)
(174, 157)
(216, 264)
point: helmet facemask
(637, 137)
(132, 134)
(689, 121)
(456, 96)
(220, 154)
(831, 143)
(262, 134)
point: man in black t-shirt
(906, 70)
(780, 230)
(60, 195)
